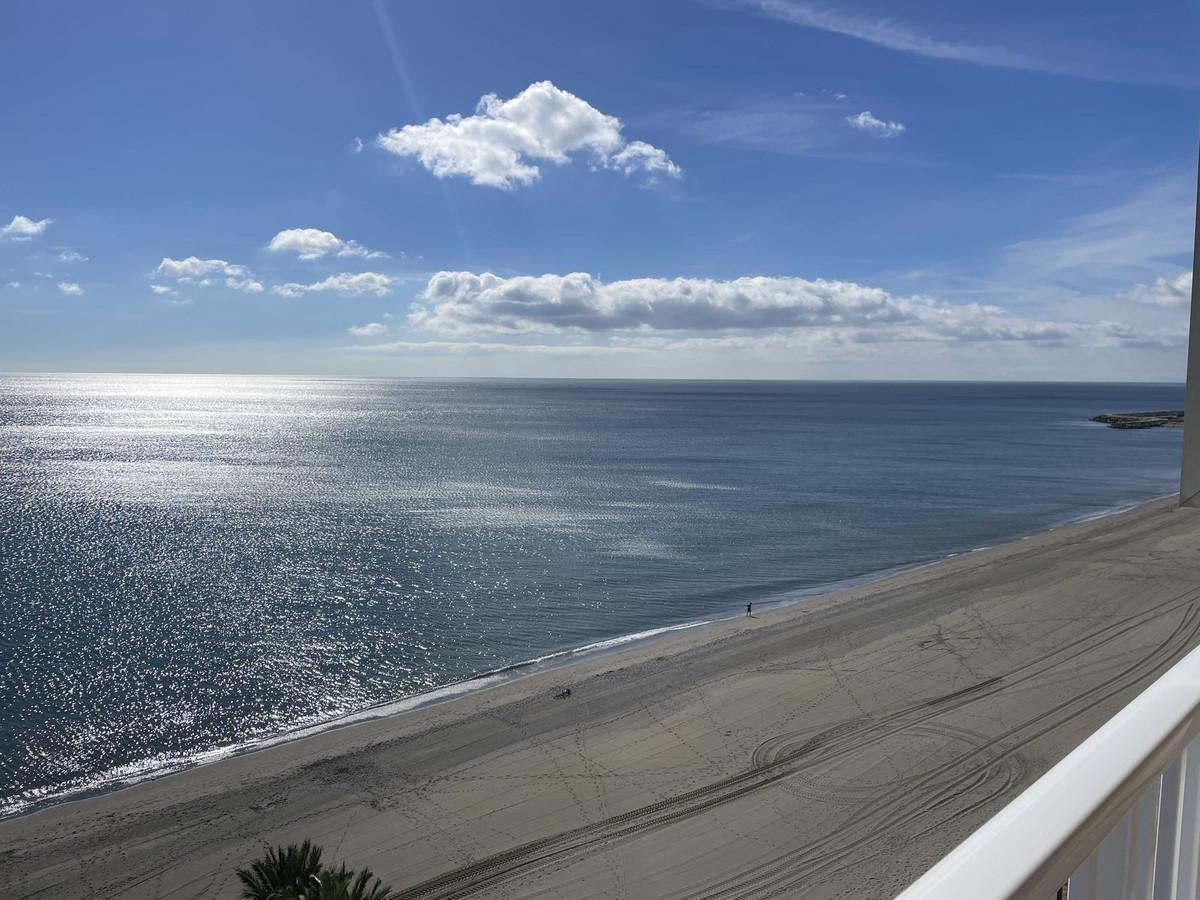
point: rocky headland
(1169, 418)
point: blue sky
(681, 189)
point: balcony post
(1189, 470)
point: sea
(192, 566)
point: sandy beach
(835, 748)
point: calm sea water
(194, 563)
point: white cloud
(22, 229)
(248, 285)
(194, 269)
(14, 284)
(864, 121)
(463, 303)
(348, 283)
(1175, 291)
(798, 344)
(358, 145)
(501, 145)
(67, 255)
(638, 156)
(204, 272)
(70, 287)
(371, 329)
(312, 243)
(161, 289)
(487, 348)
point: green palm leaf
(282, 873)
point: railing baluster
(1112, 869)
(1188, 866)
(1143, 848)
(1169, 811)
(1082, 885)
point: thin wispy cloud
(791, 124)
(893, 34)
(890, 33)
(371, 329)
(1109, 248)
(350, 284)
(490, 348)
(1127, 260)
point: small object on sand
(563, 695)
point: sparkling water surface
(192, 563)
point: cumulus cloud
(14, 284)
(1175, 291)
(638, 156)
(313, 243)
(346, 283)
(70, 287)
(371, 329)
(502, 143)
(161, 289)
(864, 121)
(464, 303)
(194, 268)
(205, 272)
(22, 229)
(249, 285)
(67, 255)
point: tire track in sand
(784, 756)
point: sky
(683, 188)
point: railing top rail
(1030, 847)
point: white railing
(1117, 819)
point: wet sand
(831, 749)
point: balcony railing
(1117, 819)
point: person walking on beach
(748, 606)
